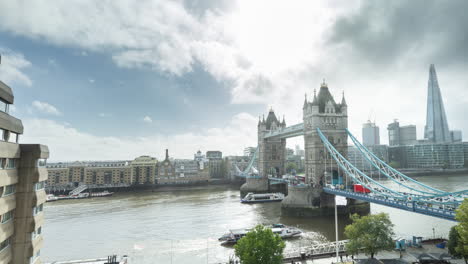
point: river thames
(182, 226)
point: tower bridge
(329, 173)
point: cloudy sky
(118, 79)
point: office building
(370, 134)
(22, 195)
(401, 135)
(436, 129)
(429, 156)
(456, 136)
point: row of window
(38, 209)
(5, 243)
(8, 163)
(6, 216)
(7, 190)
(8, 136)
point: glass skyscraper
(436, 129)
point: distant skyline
(110, 80)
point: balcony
(7, 203)
(5, 255)
(6, 229)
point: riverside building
(142, 171)
(22, 195)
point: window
(36, 233)
(4, 106)
(5, 243)
(3, 163)
(9, 189)
(13, 138)
(7, 216)
(38, 209)
(11, 164)
(39, 185)
(41, 163)
(6, 135)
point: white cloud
(12, 67)
(67, 143)
(91, 80)
(46, 108)
(147, 119)
(271, 57)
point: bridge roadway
(404, 205)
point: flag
(340, 200)
(138, 247)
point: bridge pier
(255, 185)
(307, 201)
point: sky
(115, 79)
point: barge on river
(262, 198)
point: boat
(262, 198)
(283, 231)
(51, 198)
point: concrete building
(370, 134)
(401, 135)
(436, 129)
(22, 195)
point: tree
(369, 234)
(291, 166)
(394, 164)
(462, 230)
(260, 246)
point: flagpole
(336, 229)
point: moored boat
(262, 198)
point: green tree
(369, 234)
(260, 246)
(291, 166)
(462, 230)
(394, 164)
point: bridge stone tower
(271, 154)
(332, 119)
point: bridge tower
(271, 154)
(332, 119)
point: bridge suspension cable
(357, 175)
(393, 174)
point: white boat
(51, 198)
(262, 198)
(283, 231)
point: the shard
(436, 129)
